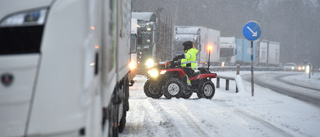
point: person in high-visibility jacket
(188, 60)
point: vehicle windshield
(226, 52)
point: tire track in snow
(255, 121)
(145, 116)
(185, 120)
(265, 123)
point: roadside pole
(252, 74)
(309, 71)
(251, 31)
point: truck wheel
(206, 90)
(173, 88)
(152, 89)
(122, 123)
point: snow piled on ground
(267, 113)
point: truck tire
(122, 123)
(173, 88)
(206, 90)
(152, 89)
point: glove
(178, 63)
(178, 57)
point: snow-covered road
(227, 114)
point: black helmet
(187, 45)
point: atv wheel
(206, 90)
(152, 89)
(173, 88)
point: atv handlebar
(174, 64)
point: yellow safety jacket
(190, 59)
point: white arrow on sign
(254, 34)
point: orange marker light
(209, 48)
(92, 28)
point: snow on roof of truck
(185, 37)
(227, 40)
(187, 30)
(146, 16)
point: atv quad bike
(169, 79)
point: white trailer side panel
(263, 52)
(274, 53)
(134, 23)
(203, 42)
(108, 67)
(123, 38)
(214, 41)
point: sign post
(251, 31)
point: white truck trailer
(201, 37)
(228, 51)
(273, 53)
(268, 53)
(64, 67)
(263, 52)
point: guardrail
(256, 68)
(228, 78)
(227, 82)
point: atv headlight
(153, 73)
(26, 18)
(149, 63)
(163, 71)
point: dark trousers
(188, 71)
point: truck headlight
(149, 63)
(153, 73)
(26, 18)
(132, 65)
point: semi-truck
(202, 38)
(268, 53)
(64, 67)
(265, 53)
(154, 38)
(228, 51)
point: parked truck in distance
(202, 38)
(228, 51)
(154, 38)
(238, 51)
(273, 53)
(244, 51)
(268, 53)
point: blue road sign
(251, 31)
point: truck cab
(228, 51)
